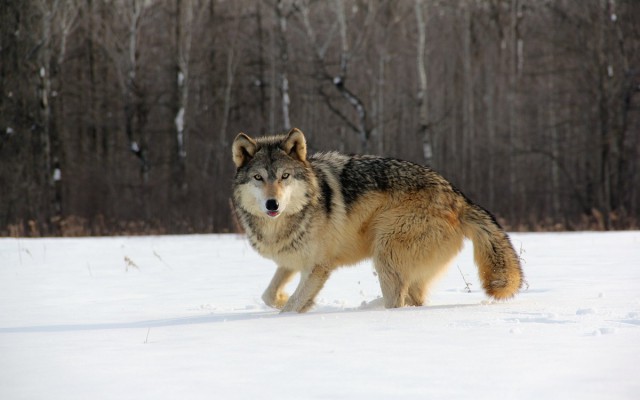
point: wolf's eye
(285, 175)
(257, 177)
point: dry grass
(74, 226)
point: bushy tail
(498, 264)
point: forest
(117, 116)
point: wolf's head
(272, 173)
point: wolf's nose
(272, 205)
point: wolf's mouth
(273, 214)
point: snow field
(171, 317)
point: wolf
(313, 214)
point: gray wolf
(313, 214)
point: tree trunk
(134, 109)
(468, 117)
(515, 63)
(283, 46)
(424, 131)
(183, 30)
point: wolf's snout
(272, 205)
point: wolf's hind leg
(310, 284)
(274, 296)
(417, 294)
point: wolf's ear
(295, 144)
(244, 148)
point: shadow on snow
(240, 315)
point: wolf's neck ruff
(314, 214)
(284, 235)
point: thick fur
(335, 210)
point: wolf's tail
(498, 264)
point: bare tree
(231, 69)
(423, 106)
(184, 21)
(58, 19)
(125, 53)
(339, 80)
(283, 11)
(468, 108)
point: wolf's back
(358, 175)
(498, 264)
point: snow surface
(180, 317)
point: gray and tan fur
(314, 214)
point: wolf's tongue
(272, 213)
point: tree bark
(424, 131)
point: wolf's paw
(288, 307)
(276, 301)
(285, 310)
(293, 306)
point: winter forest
(117, 116)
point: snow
(171, 317)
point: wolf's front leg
(274, 296)
(310, 284)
